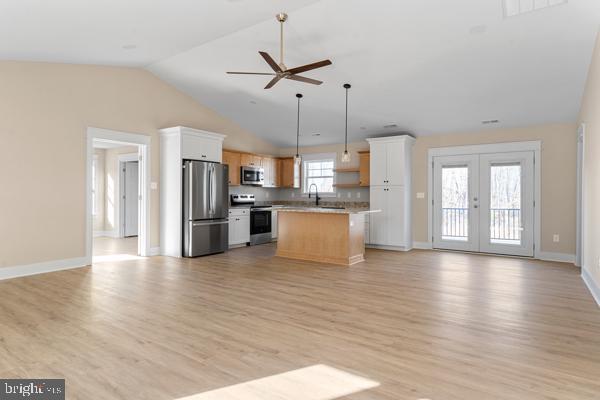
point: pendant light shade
(346, 155)
(297, 158)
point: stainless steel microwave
(253, 176)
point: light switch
(153, 185)
(420, 195)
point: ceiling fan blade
(273, 82)
(308, 67)
(251, 73)
(303, 79)
(270, 61)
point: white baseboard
(558, 257)
(422, 245)
(112, 234)
(392, 248)
(591, 284)
(154, 251)
(43, 267)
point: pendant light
(297, 158)
(346, 155)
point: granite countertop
(324, 210)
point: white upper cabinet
(197, 144)
(390, 158)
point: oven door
(260, 222)
(252, 176)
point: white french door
(484, 203)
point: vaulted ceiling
(426, 66)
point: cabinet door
(200, 148)
(243, 228)
(232, 230)
(276, 173)
(232, 159)
(395, 218)
(395, 163)
(266, 164)
(290, 177)
(378, 164)
(365, 169)
(257, 161)
(248, 160)
(378, 221)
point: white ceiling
(429, 66)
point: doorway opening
(118, 177)
(484, 199)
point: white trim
(558, 257)
(580, 196)
(43, 267)
(144, 142)
(129, 157)
(154, 251)
(593, 287)
(113, 234)
(176, 130)
(384, 247)
(390, 139)
(318, 157)
(534, 145)
(422, 245)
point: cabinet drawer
(198, 148)
(237, 212)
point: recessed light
(388, 126)
(478, 30)
(490, 121)
(252, 102)
(316, 134)
(129, 47)
(363, 128)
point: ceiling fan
(280, 70)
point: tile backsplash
(360, 195)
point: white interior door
(507, 196)
(131, 199)
(484, 203)
(455, 202)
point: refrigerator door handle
(209, 223)
(213, 189)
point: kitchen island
(334, 236)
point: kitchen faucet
(317, 198)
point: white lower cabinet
(388, 227)
(239, 226)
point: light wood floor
(424, 325)
(103, 246)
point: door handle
(195, 224)
(475, 206)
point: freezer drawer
(205, 237)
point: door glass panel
(455, 203)
(505, 204)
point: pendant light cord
(298, 129)
(346, 139)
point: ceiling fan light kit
(280, 71)
(346, 155)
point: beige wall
(559, 160)
(590, 115)
(45, 110)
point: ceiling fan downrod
(281, 17)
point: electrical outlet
(420, 195)
(349, 195)
(267, 194)
(153, 185)
(556, 238)
(339, 195)
(358, 195)
(293, 194)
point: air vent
(389, 126)
(490, 121)
(518, 7)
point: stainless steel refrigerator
(205, 208)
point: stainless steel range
(260, 217)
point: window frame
(318, 157)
